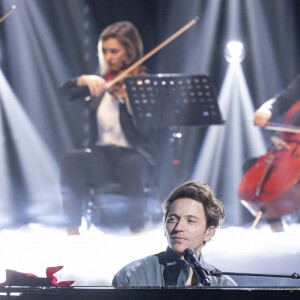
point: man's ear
(209, 233)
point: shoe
(136, 230)
(73, 230)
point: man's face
(114, 54)
(185, 226)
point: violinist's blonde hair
(128, 36)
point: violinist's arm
(95, 84)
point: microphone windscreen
(188, 253)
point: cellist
(118, 150)
(281, 103)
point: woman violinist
(118, 150)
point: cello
(272, 185)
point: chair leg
(89, 208)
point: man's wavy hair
(201, 192)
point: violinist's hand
(119, 91)
(96, 84)
(262, 117)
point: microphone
(202, 274)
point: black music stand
(165, 100)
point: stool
(104, 204)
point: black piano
(66, 293)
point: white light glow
(225, 146)
(234, 52)
(93, 258)
(39, 169)
(5, 184)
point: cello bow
(282, 127)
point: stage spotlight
(234, 52)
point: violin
(272, 184)
(118, 89)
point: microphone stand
(218, 273)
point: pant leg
(79, 170)
(133, 170)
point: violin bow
(7, 13)
(152, 52)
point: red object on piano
(14, 278)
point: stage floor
(94, 256)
